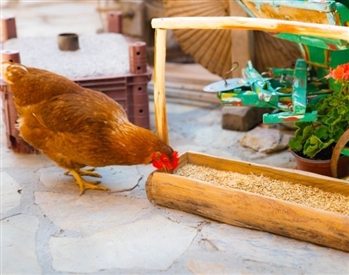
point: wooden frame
(237, 207)
(239, 23)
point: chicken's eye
(165, 158)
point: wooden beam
(259, 24)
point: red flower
(339, 73)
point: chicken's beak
(167, 170)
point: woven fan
(212, 48)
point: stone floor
(46, 228)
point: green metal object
(345, 151)
(316, 51)
(289, 93)
(291, 90)
(325, 12)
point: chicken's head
(164, 162)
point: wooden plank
(248, 210)
(189, 73)
(186, 82)
(188, 102)
(183, 91)
(192, 95)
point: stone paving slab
(153, 243)
(9, 193)
(18, 245)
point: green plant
(315, 140)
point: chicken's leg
(84, 184)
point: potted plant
(313, 142)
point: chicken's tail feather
(11, 71)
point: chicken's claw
(83, 184)
(85, 172)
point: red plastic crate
(14, 141)
(129, 90)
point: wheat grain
(266, 186)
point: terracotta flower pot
(322, 167)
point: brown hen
(78, 127)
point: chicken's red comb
(164, 161)
(175, 159)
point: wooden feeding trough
(245, 209)
(229, 205)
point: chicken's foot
(84, 184)
(85, 172)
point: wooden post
(159, 84)
(114, 23)
(241, 42)
(8, 28)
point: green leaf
(307, 132)
(321, 132)
(314, 145)
(296, 144)
(342, 109)
(333, 119)
(303, 132)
